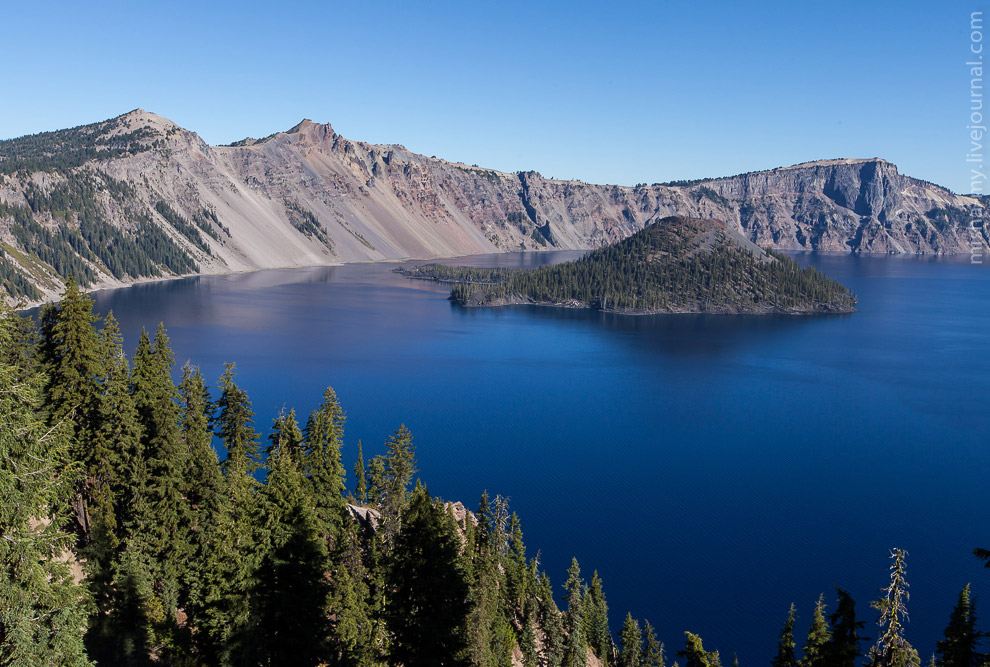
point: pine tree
(391, 476)
(892, 648)
(207, 576)
(551, 620)
(42, 610)
(959, 648)
(819, 635)
(695, 654)
(116, 484)
(595, 620)
(322, 466)
(160, 538)
(785, 645)
(516, 572)
(527, 638)
(352, 634)
(231, 546)
(234, 423)
(428, 606)
(843, 648)
(360, 483)
(653, 651)
(70, 353)
(205, 482)
(575, 654)
(290, 624)
(285, 435)
(490, 635)
(631, 654)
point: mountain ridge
(86, 199)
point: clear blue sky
(620, 93)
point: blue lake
(713, 469)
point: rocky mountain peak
(315, 132)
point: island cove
(675, 265)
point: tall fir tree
(843, 647)
(516, 570)
(552, 622)
(353, 638)
(205, 484)
(892, 648)
(234, 424)
(490, 634)
(391, 476)
(428, 606)
(695, 655)
(160, 540)
(575, 654)
(527, 636)
(116, 488)
(322, 465)
(785, 645)
(959, 648)
(360, 481)
(70, 356)
(595, 621)
(819, 635)
(631, 640)
(653, 650)
(42, 609)
(290, 626)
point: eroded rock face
(377, 202)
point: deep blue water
(713, 469)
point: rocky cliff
(137, 196)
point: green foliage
(575, 653)
(695, 654)
(322, 464)
(819, 635)
(391, 476)
(892, 648)
(843, 647)
(191, 563)
(63, 249)
(160, 540)
(551, 621)
(594, 617)
(15, 283)
(306, 222)
(785, 645)
(234, 424)
(961, 638)
(42, 611)
(63, 150)
(705, 192)
(676, 264)
(631, 641)
(653, 651)
(289, 624)
(183, 226)
(428, 606)
(948, 218)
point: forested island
(128, 540)
(675, 265)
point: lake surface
(713, 469)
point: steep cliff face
(138, 196)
